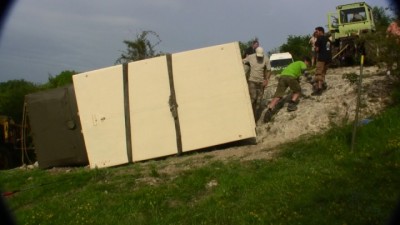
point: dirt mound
(335, 106)
(315, 114)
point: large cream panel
(152, 124)
(100, 99)
(212, 95)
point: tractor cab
(350, 20)
(345, 26)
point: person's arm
(303, 68)
(246, 65)
(316, 45)
(246, 68)
(267, 71)
(267, 75)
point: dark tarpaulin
(56, 128)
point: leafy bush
(12, 97)
(64, 78)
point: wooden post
(359, 87)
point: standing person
(393, 42)
(357, 17)
(259, 69)
(289, 77)
(312, 41)
(393, 30)
(324, 57)
(252, 49)
(249, 51)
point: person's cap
(259, 52)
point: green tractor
(346, 26)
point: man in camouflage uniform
(259, 68)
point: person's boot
(268, 115)
(324, 86)
(258, 111)
(292, 106)
(317, 92)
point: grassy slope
(315, 181)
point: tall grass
(314, 181)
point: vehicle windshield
(280, 62)
(333, 20)
(353, 15)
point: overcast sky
(45, 37)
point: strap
(127, 112)
(173, 105)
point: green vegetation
(351, 77)
(62, 79)
(314, 181)
(298, 46)
(12, 93)
(143, 47)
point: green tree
(62, 79)
(140, 48)
(381, 48)
(12, 93)
(12, 97)
(298, 46)
(381, 17)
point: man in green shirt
(288, 78)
